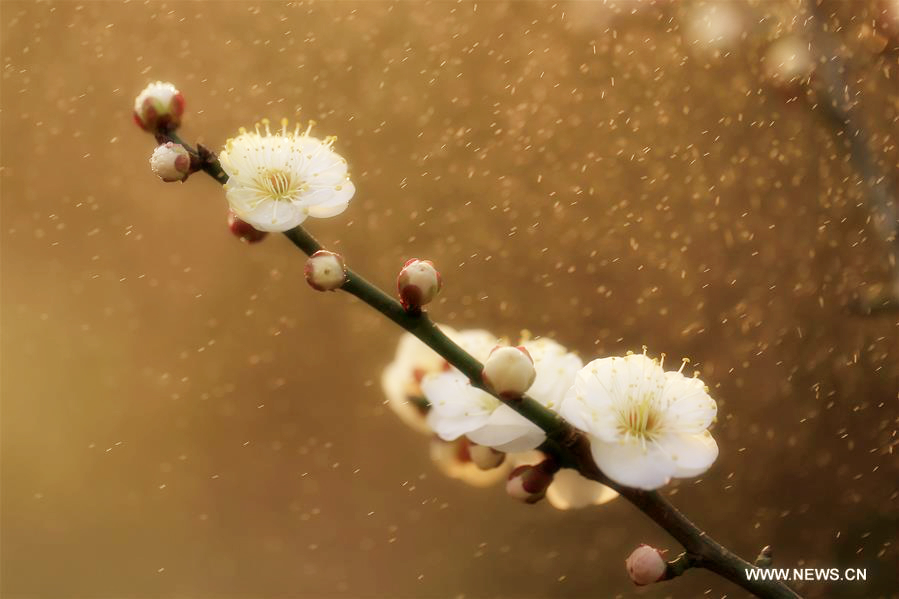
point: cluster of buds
(509, 371)
(530, 482)
(646, 565)
(159, 108)
(325, 271)
(418, 284)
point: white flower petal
(452, 459)
(569, 490)
(508, 431)
(477, 342)
(457, 408)
(327, 210)
(336, 201)
(556, 371)
(395, 381)
(402, 378)
(689, 407)
(691, 454)
(631, 464)
(590, 409)
(273, 217)
(276, 179)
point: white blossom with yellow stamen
(645, 425)
(401, 380)
(458, 408)
(277, 180)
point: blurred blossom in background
(183, 417)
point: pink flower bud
(244, 230)
(509, 371)
(418, 284)
(325, 271)
(486, 458)
(170, 162)
(159, 107)
(646, 565)
(529, 482)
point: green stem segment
(569, 447)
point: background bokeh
(183, 417)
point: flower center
(277, 184)
(640, 418)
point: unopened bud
(486, 458)
(159, 107)
(418, 283)
(529, 482)
(170, 162)
(325, 271)
(788, 62)
(509, 371)
(244, 230)
(646, 565)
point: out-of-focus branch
(835, 103)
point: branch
(568, 446)
(833, 95)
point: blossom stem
(567, 446)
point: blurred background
(183, 417)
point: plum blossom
(571, 491)
(401, 381)
(277, 180)
(645, 425)
(458, 408)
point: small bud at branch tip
(159, 107)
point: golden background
(183, 417)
